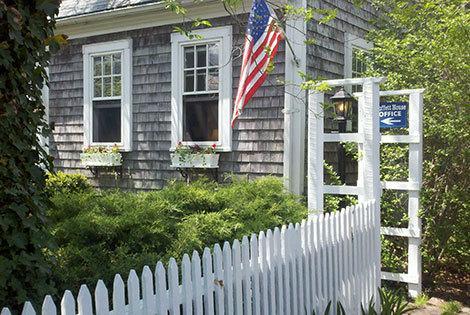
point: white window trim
(351, 42)
(124, 46)
(224, 35)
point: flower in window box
(101, 156)
(195, 156)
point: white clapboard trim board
(369, 187)
(292, 270)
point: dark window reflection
(107, 121)
(200, 117)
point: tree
(424, 44)
(26, 43)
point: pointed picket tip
(206, 253)
(67, 304)
(217, 248)
(28, 309)
(226, 247)
(186, 259)
(196, 256)
(5, 311)
(48, 306)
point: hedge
(101, 233)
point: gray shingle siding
(257, 143)
(257, 140)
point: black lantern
(343, 103)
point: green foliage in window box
(102, 233)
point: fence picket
(228, 278)
(160, 288)
(84, 301)
(28, 309)
(246, 276)
(173, 287)
(218, 280)
(101, 299)
(237, 277)
(263, 260)
(148, 299)
(271, 290)
(285, 271)
(254, 266)
(187, 298)
(48, 306)
(208, 282)
(306, 255)
(5, 311)
(197, 284)
(293, 270)
(133, 292)
(278, 263)
(67, 304)
(119, 302)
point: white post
(295, 103)
(371, 155)
(315, 152)
(415, 175)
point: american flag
(262, 39)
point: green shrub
(101, 233)
(61, 182)
(451, 308)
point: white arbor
(369, 186)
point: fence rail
(297, 269)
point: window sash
(222, 36)
(122, 50)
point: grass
(451, 308)
(421, 300)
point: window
(201, 99)
(355, 50)
(107, 94)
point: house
(127, 77)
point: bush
(61, 182)
(103, 233)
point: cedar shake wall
(257, 140)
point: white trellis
(368, 139)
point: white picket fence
(297, 269)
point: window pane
(201, 80)
(189, 57)
(200, 117)
(117, 63)
(117, 86)
(189, 81)
(107, 121)
(97, 86)
(96, 66)
(201, 55)
(213, 79)
(107, 64)
(107, 86)
(213, 55)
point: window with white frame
(107, 94)
(201, 88)
(355, 52)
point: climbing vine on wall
(26, 43)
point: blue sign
(393, 115)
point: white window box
(195, 160)
(101, 159)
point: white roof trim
(138, 17)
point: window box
(195, 160)
(101, 159)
